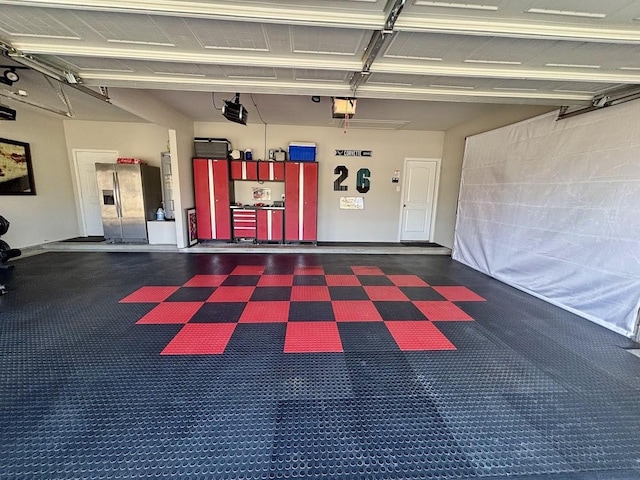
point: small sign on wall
(354, 153)
(351, 203)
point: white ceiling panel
(217, 34)
(24, 22)
(327, 40)
(89, 63)
(124, 28)
(249, 72)
(392, 79)
(429, 46)
(306, 74)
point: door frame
(78, 190)
(436, 188)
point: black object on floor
(90, 239)
(378, 244)
(107, 376)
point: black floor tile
(311, 312)
(218, 312)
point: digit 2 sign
(363, 184)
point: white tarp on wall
(553, 208)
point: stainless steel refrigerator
(129, 196)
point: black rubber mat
(90, 239)
(430, 370)
(378, 244)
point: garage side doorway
(419, 197)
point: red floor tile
(231, 294)
(275, 281)
(265, 312)
(458, 294)
(248, 270)
(309, 293)
(417, 335)
(205, 281)
(150, 295)
(367, 271)
(407, 281)
(388, 294)
(200, 339)
(171, 312)
(439, 311)
(308, 337)
(342, 281)
(310, 270)
(355, 311)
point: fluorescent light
(468, 6)
(571, 65)
(499, 62)
(566, 13)
(629, 68)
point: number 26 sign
(363, 184)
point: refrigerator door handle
(116, 191)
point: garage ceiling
(544, 52)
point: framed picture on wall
(192, 227)
(16, 172)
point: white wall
(379, 220)
(49, 215)
(551, 207)
(138, 140)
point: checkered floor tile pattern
(316, 308)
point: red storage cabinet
(301, 201)
(213, 192)
(271, 171)
(244, 170)
(270, 225)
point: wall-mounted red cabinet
(213, 193)
(301, 201)
(271, 171)
(270, 225)
(244, 170)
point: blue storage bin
(302, 152)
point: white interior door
(419, 187)
(85, 161)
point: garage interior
(510, 352)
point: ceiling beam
(267, 86)
(208, 57)
(219, 10)
(506, 72)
